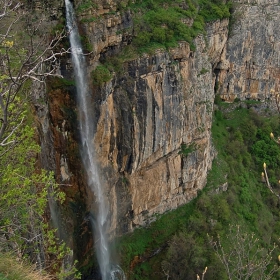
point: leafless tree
(243, 257)
(26, 54)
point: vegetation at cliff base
(181, 243)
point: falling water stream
(86, 119)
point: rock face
(153, 121)
(152, 131)
(249, 67)
(163, 102)
(146, 115)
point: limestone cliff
(163, 101)
(249, 67)
(146, 113)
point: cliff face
(162, 102)
(153, 122)
(152, 131)
(145, 116)
(249, 67)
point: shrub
(85, 5)
(56, 82)
(159, 35)
(203, 71)
(142, 39)
(162, 21)
(187, 149)
(100, 75)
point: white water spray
(108, 271)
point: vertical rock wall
(250, 64)
(146, 114)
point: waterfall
(86, 119)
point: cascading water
(108, 271)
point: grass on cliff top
(242, 141)
(167, 22)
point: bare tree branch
(243, 258)
(31, 57)
(4, 141)
(266, 180)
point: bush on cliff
(166, 22)
(100, 75)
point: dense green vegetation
(178, 243)
(164, 23)
(24, 193)
(85, 5)
(100, 75)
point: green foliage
(243, 255)
(87, 20)
(12, 269)
(187, 149)
(24, 187)
(100, 75)
(59, 27)
(87, 46)
(55, 83)
(218, 100)
(85, 5)
(2, 277)
(24, 194)
(213, 10)
(154, 237)
(202, 71)
(248, 131)
(182, 244)
(114, 63)
(143, 38)
(166, 22)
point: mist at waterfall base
(107, 269)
